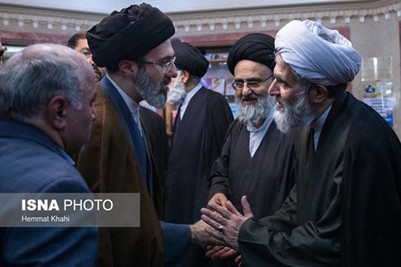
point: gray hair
(30, 79)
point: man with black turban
(345, 209)
(134, 46)
(200, 125)
(256, 157)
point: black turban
(189, 58)
(256, 47)
(128, 34)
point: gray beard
(299, 113)
(150, 90)
(254, 114)
(176, 93)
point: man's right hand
(220, 252)
(219, 199)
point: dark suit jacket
(31, 162)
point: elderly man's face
(80, 120)
(155, 73)
(252, 81)
(292, 101)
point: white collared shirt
(256, 134)
(188, 98)
(132, 106)
(318, 126)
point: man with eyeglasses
(345, 209)
(256, 158)
(198, 136)
(79, 43)
(134, 46)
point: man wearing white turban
(345, 209)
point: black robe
(197, 142)
(157, 140)
(265, 178)
(346, 207)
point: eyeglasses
(166, 66)
(252, 84)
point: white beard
(299, 113)
(254, 114)
(176, 93)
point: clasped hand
(225, 222)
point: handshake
(219, 227)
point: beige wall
(376, 39)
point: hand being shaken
(218, 198)
(225, 222)
(200, 236)
(220, 252)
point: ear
(56, 111)
(318, 94)
(128, 67)
(185, 76)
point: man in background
(46, 97)
(256, 159)
(2, 50)
(134, 46)
(201, 123)
(175, 96)
(345, 209)
(79, 43)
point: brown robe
(108, 164)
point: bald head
(30, 78)
(50, 87)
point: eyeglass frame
(165, 66)
(246, 83)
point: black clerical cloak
(346, 207)
(157, 140)
(265, 178)
(197, 142)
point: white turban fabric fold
(318, 54)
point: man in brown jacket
(134, 46)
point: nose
(274, 89)
(172, 72)
(246, 90)
(90, 61)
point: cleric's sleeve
(372, 196)
(277, 241)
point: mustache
(251, 96)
